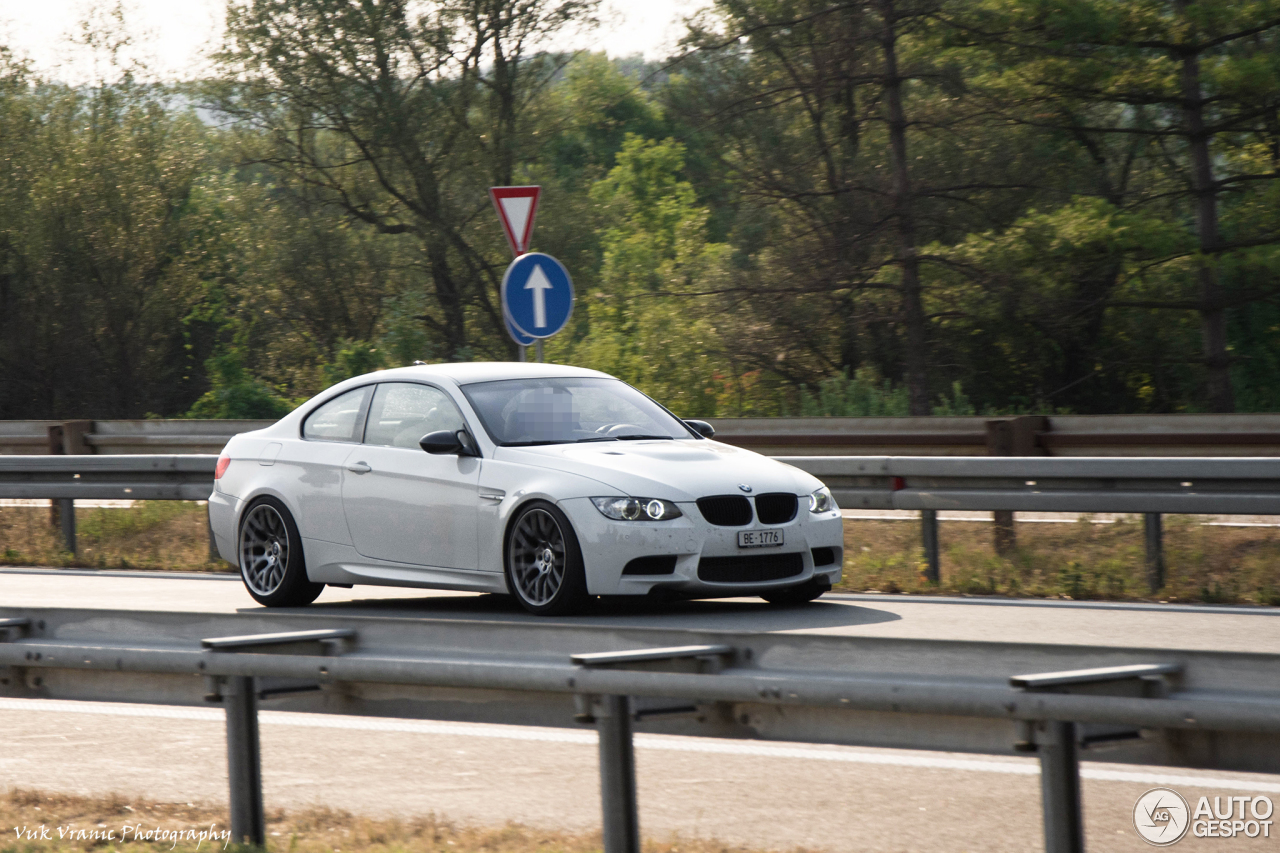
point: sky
(173, 35)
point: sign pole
(538, 348)
(523, 349)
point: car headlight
(637, 509)
(821, 501)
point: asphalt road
(745, 793)
(777, 796)
(1234, 628)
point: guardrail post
(67, 521)
(929, 534)
(1000, 443)
(618, 776)
(67, 438)
(1057, 745)
(244, 762)
(1153, 532)
(1013, 437)
(1060, 788)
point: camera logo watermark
(1162, 817)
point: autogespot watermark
(134, 832)
(1163, 817)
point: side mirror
(467, 443)
(702, 428)
(446, 441)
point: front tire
(272, 565)
(543, 562)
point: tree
(399, 114)
(839, 125)
(1195, 82)
(644, 324)
(97, 280)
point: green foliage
(602, 106)
(353, 358)
(235, 393)
(95, 223)
(866, 394)
(847, 210)
(641, 324)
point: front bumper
(608, 546)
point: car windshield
(521, 412)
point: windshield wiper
(597, 438)
(637, 437)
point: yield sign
(516, 207)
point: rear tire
(799, 594)
(543, 562)
(269, 549)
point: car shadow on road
(733, 614)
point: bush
(236, 394)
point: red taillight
(224, 462)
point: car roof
(488, 371)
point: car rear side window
(338, 419)
(403, 412)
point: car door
(312, 468)
(403, 504)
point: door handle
(359, 468)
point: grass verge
(319, 830)
(168, 535)
(1078, 560)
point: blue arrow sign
(537, 295)
(518, 336)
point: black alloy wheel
(544, 563)
(271, 562)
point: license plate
(759, 538)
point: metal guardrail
(1040, 484)
(1150, 706)
(149, 478)
(1032, 435)
(116, 437)
(1024, 484)
(1028, 435)
(1150, 486)
(65, 479)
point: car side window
(403, 412)
(336, 420)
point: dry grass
(151, 535)
(319, 830)
(1080, 560)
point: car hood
(673, 470)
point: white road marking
(671, 743)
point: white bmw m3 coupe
(553, 484)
